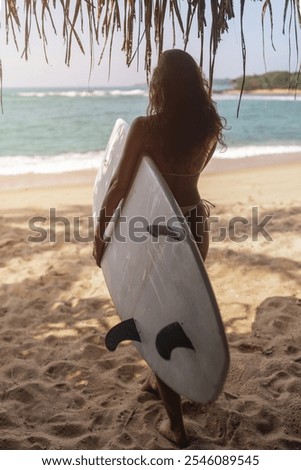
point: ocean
(58, 130)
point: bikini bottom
(187, 210)
(196, 216)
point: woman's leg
(174, 428)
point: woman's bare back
(181, 177)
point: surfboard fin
(170, 337)
(175, 233)
(125, 330)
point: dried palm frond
(98, 18)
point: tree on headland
(141, 23)
(268, 81)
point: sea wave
(117, 93)
(256, 97)
(249, 151)
(83, 93)
(18, 165)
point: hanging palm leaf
(100, 19)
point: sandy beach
(263, 91)
(59, 386)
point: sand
(59, 386)
(262, 91)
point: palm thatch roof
(141, 22)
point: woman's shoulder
(145, 128)
(138, 127)
(143, 122)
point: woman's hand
(98, 249)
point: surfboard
(109, 165)
(160, 287)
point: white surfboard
(109, 165)
(161, 291)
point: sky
(17, 72)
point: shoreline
(260, 91)
(86, 177)
(273, 91)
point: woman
(180, 134)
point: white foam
(259, 97)
(18, 165)
(136, 92)
(82, 93)
(143, 92)
(249, 151)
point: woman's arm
(125, 172)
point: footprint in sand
(266, 421)
(89, 442)
(10, 444)
(102, 419)
(107, 364)
(61, 370)
(292, 349)
(26, 393)
(282, 382)
(37, 443)
(295, 367)
(276, 383)
(128, 372)
(277, 315)
(20, 373)
(5, 421)
(125, 440)
(152, 414)
(92, 352)
(67, 430)
(290, 444)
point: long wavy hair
(179, 96)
